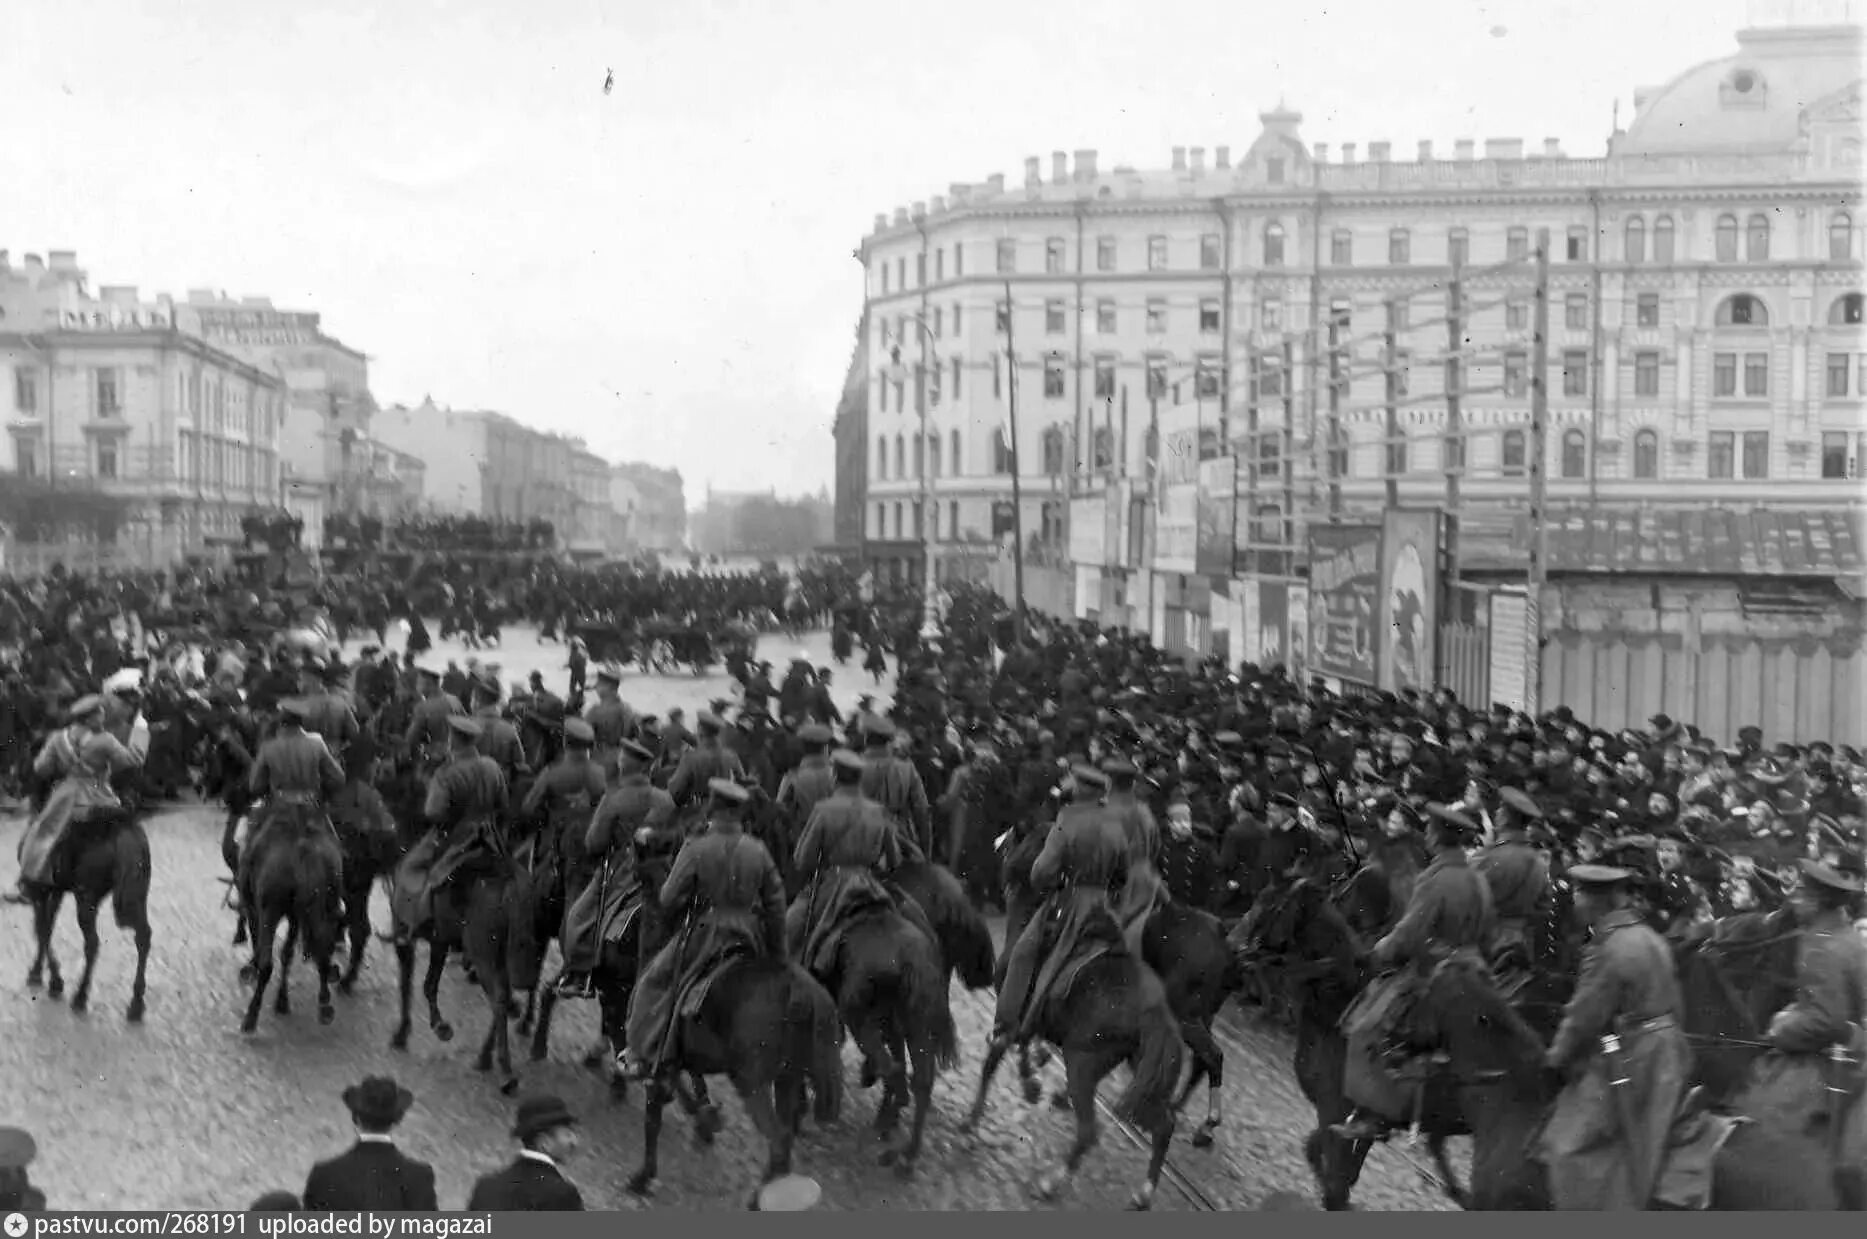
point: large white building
(1705, 309)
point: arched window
(952, 520)
(920, 455)
(901, 529)
(1273, 244)
(1511, 461)
(1742, 310)
(1725, 240)
(1757, 238)
(881, 520)
(936, 522)
(1647, 455)
(1636, 239)
(901, 459)
(881, 458)
(1663, 239)
(1846, 311)
(1841, 237)
(1574, 454)
(1001, 452)
(933, 457)
(958, 464)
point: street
(184, 1112)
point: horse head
(965, 938)
(1463, 1015)
(1299, 927)
(1731, 981)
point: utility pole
(1454, 448)
(1017, 487)
(1539, 450)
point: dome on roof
(1754, 102)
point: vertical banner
(1511, 684)
(1409, 599)
(1297, 655)
(1273, 622)
(1345, 601)
(1086, 533)
(1218, 505)
(1114, 540)
(1245, 590)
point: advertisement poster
(1114, 535)
(1245, 590)
(1273, 622)
(1510, 649)
(1176, 529)
(1297, 654)
(1087, 532)
(1344, 601)
(1217, 506)
(1409, 600)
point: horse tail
(129, 887)
(1157, 1061)
(924, 996)
(817, 1043)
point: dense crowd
(472, 534)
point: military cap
(1821, 748)
(878, 729)
(464, 726)
(1446, 815)
(487, 682)
(295, 707)
(1821, 875)
(17, 1148)
(639, 752)
(728, 791)
(709, 722)
(1601, 877)
(848, 759)
(1088, 775)
(1117, 768)
(369, 650)
(576, 731)
(1521, 802)
(427, 671)
(610, 672)
(86, 705)
(815, 733)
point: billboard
(1114, 532)
(1511, 642)
(1216, 511)
(253, 325)
(1296, 650)
(1344, 601)
(1087, 532)
(1249, 642)
(1273, 622)
(1409, 599)
(1176, 529)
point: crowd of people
(472, 534)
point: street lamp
(930, 610)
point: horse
(771, 1029)
(1503, 1089)
(367, 855)
(106, 854)
(889, 980)
(966, 946)
(484, 911)
(1732, 980)
(293, 873)
(1300, 937)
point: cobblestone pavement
(184, 1112)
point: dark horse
(484, 910)
(1732, 980)
(103, 855)
(293, 874)
(1496, 1060)
(771, 1030)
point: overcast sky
(666, 269)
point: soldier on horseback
(568, 793)
(464, 804)
(894, 783)
(1140, 885)
(1083, 857)
(499, 739)
(292, 779)
(85, 756)
(812, 780)
(427, 735)
(707, 761)
(727, 886)
(1518, 874)
(627, 817)
(610, 717)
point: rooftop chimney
(956, 190)
(939, 204)
(1552, 148)
(1320, 152)
(1503, 148)
(1197, 156)
(1059, 168)
(1378, 151)
(1221, 158)
(1179, 159)
(996, 182)
(1033, 171)
(901, 216)
(62, 260)
(1426, 151)
(881, 221)
(920, 210)
(34, 263)
(1463, 148)
(1085, 165)
(1348, 153)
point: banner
(1176, 529)
(1344, 600)
(1087, 532)
(1510, 650)
(1273, 622)
(1249, 641)
(1218, 506)
(1114, 526)
(1297, 654)
(1409, 600)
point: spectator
(547, 1134)
(373, 1173)
(17, 1194)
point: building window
(1846, 311)
(1835, 454)
(959, 464)
(1578, 244)
(920, 456)
(25, 390)
(1647, 310)
(1399, 247)
(1271, 314)
(1516, 316)
(1053, 256)
(1209, 252)
(1724, 239)
(1105, 253)
(1757, 238)
(1724, 374)
(1646, 374)
(881, 520)
(901, 273)
(901, 460)
(956, 369)
(901, 400)
(1839, 364)
(1646, 455)
(1516, 243)
(920, 270)
(1053, 318)
(1053, 378)
(1342, 248)
(1007, 255)
(933, 455)
(1401, 372)
(1575, 372)
(936, 522)
(106, 459)
(1105, 318)
(1397, 457)
(956, 329)
(1001, 452)
(1756, 453)
(881, 459)
(1273, 172)
(1742, 310)
(1273, 244)
(901, 528)
(1516, 372)
(1458, 246)
(939, 265)
(1720, 453)
(109, 396)
(1156, 378)
(1157, 253)
(1840, 237)
(1206, 379)
(1002, 317)
(1512, 456)
(1105, 378)
(939, 323)
(1574, 454)
(952, 520)
(1156, 317)
(933, 385)
(1636, 244)
(1756, 374)
(959, 260)
(1575, 311)
(1053, 451)
(1209, 318)
(998, 378)
(884, 279)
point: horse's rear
(103, 856)
(294, 877)
(1186, 948)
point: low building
(660, 519)
(589, 533)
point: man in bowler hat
(17, 1194)
(547, 1134)
(373, 1173)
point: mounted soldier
(427, 737)
(569, 793)
(629, 816)
(85, 758)
(1518, 874)
(293, 778)
(465, 801)
(707, 761)
(895, 784)
(1140, 886)
(499, 739)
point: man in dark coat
(547, 1134)
(373, 1173)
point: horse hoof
(347, 986)
(35, 980)
(56, 989)
(1033, 1092)
(136, 1011)
(707, 1123)
(80, 1003)
(1046, 1189)
(641, 1185)
(247, 973)
(327, 1014)
(399, 1041)
(619, 1089)
(539, 1052)
(509, 1086)
(1141, 1201)
(1061, 1103)
(444, 1031)
(249, 1026)
(1202, 1138)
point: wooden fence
(1048, 591)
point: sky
(666, 269)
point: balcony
(142, 472)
